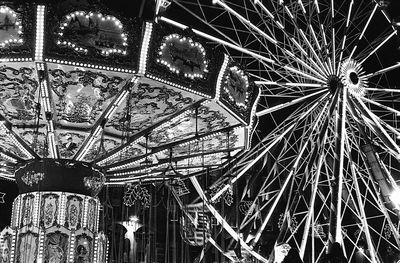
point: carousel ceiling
(138, 101)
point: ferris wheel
(327, 161)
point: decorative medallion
(83, 31)
(31, 177)
(10, 27)
(181, 55)
(94, 183)
(236, 86)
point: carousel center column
(56, 214)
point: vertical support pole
(335, 227)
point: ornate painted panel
(27, 209)
(148, 105)
(73, 213)
(56, 247)
(5, 248)
(27, 248)
(69, 141)
(81, 31)
(83, 249)
(100, 147)
(183, 56)
(49, 209)
(81, 96)
(92, 215)
(10, 27)
(18, 88)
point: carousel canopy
(134, 100)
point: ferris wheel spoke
(267, 183)
(385, 70)
(381, 43)
(290, 103)
(379, 130)
(320, 65)
(374, 192)
(346, 32)
(285, 184)
(361, 205)
(219, 41)
(364, 29)
(266, 36)
(253, 157)
(383, 90)
(206, 22)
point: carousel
(90, 99)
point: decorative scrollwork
(31, 177)
(135, 193)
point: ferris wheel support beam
(335, 228)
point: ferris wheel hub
(353, 77)
(334, 82)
